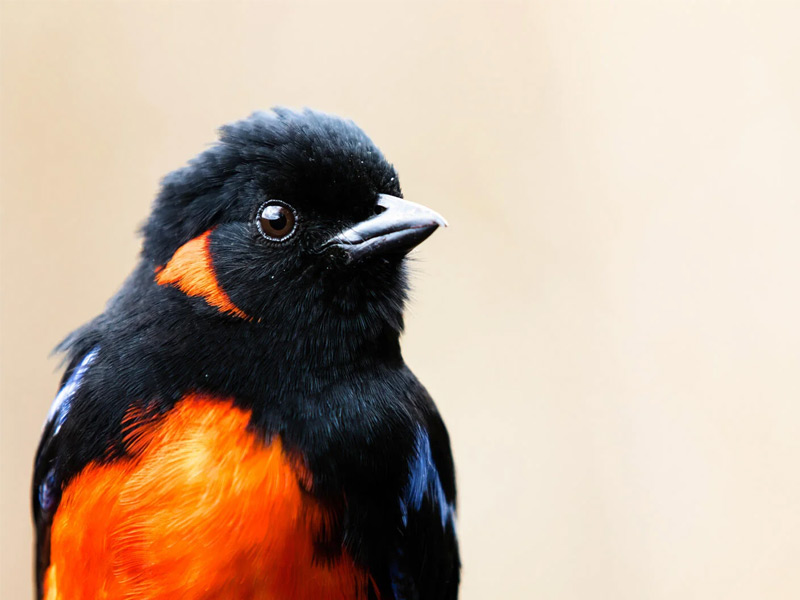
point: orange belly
(204, 508)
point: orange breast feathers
(203, 508)
(191, 270)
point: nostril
(378, 209)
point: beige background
(610, 326)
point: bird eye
(276, 221)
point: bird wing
(46, 487)
(427, 563)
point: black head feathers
(322, 162)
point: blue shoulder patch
(63, 400)
(424, 482)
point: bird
(239, 421)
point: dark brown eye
(276, 221)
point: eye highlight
(276, 220)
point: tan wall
(611, 326)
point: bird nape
(239, 422)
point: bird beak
(398, 228)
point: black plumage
(318, 361)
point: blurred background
(611, 324)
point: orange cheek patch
(205, 509)
(190, 270)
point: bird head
(293, 219)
